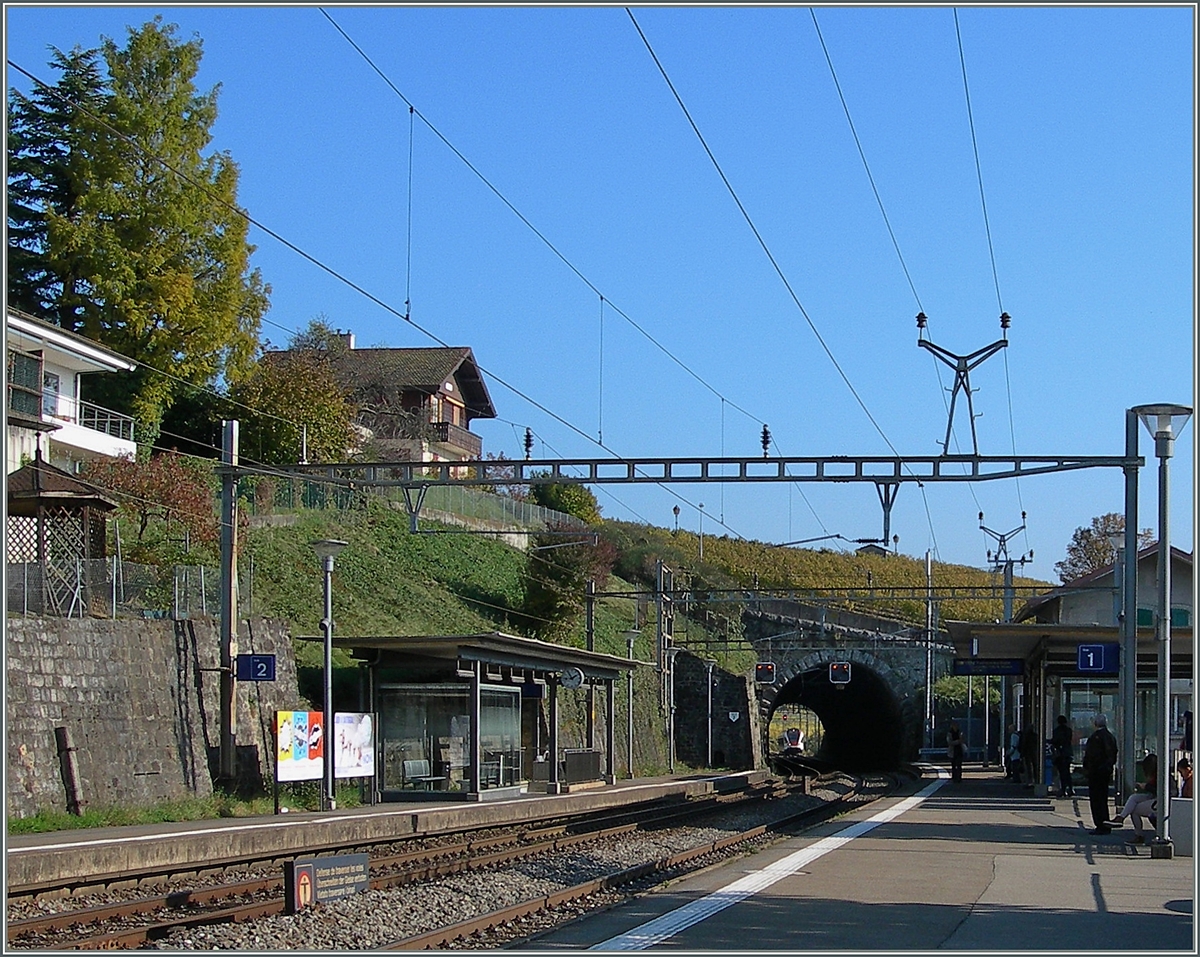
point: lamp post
(675, 510)
(701, 531)
(630, 638)
(1164, 422)
(327, 550)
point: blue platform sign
(255, 667)
(1104, 659)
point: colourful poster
(355, 737)
(299, 748)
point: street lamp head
(1163, 422)
(328, 548)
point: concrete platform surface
(977, 865)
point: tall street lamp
(1164, 422)
(327, 550)
(701, 531)
(630, 637)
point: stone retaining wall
(140, 701)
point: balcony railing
(455, 435)
(105, 420)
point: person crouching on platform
(1142, 801)
(1099, 759)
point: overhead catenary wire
(987, 227)
(336, 275)
(770, 256)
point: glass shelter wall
(425, 736)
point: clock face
(571, 678)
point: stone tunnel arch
(863, 721)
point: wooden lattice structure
(56, 528)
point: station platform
(111, 853)
(976, 865)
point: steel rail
(410, 867)
(464, 930)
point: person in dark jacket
(955, 748)
(1061, 753)
(1099, 758)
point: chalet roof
(392, 371)
(42, 484)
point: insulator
(528, 442)
(1005, 320)
(921, 320)
(766, 440)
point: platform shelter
(460, 715)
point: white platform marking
(669, 924)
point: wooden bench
(416, 773)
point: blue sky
(1084, 120)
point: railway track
(143, 920)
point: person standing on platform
(954, 749)
(1029, 749)
(1013, 769)
(1061, 753)
(1099, 759)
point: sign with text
(1103, 658)
(989, 666)
(321, 879)
(255, 667)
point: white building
(43, 397)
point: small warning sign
(321, 879)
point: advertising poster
(354, 735)
(299, 749)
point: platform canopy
(1030, 641)
(495, 648)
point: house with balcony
(413, 404)
(44, 408)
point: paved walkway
(977, 865)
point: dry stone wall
(140, 703)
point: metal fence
(107, 588)
(271, 495)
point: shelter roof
(496, 648)
(42, 484)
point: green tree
(132, 235)
(1090, 550)
(577, 500)
(292, 396)
(557, 576)
(52, 136)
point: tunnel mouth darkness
(861, 720)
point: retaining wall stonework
(141, 703)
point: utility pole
(590, 636)
(962, 366)
(928, 649)
(229, 600)
(1003, 562)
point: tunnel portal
(862, 721)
